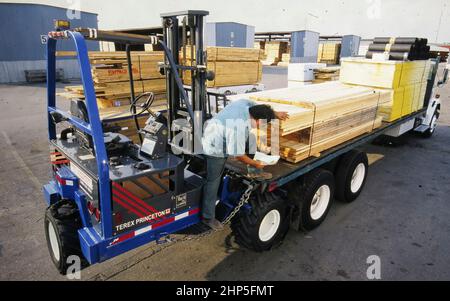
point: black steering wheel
(144, 106)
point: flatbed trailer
(300, 194)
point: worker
(227, 134)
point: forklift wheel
(351, 175)
(61, 222)
(265, 226)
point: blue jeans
(214, 169)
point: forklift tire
(433, 124)
(265, 226)
(61, 222)
(313, 198)
(351, 175)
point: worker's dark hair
(262, 112)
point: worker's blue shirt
(227, 133)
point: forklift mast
(184, 115)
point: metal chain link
(244, 199)
(172, 241)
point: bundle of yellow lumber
(326, 74)
(111, 78)
(329, 53)
(232, 66)
(322, 116)
(406, 82)
(274, 52)
(259, 45)
(285, 60)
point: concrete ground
(401, 216)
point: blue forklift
(109, 195)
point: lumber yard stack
(400, 49)
(326, 74)
(232, 66)
(274, 51)
(329, 53)
(321, 116)
(406, 82)
(259, 45)
(285, 60)
(112, 87)
(111, 78)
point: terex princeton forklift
(109, 195)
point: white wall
(367, 18)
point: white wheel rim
(433, 123)
(358, 178)
(269, 225)
(320, 202)
(53, 241)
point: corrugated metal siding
(21, 27)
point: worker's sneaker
(213, 224)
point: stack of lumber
(405, 82)
(326, 74)
(329, 53)
(322, 116)
(285, 60)
(259, 45)
(232, 66)
(274, 52)
(111, 78)
(400, 49)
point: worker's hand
(259, 165)
(282, 115)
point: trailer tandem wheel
(351, 175)
(265, 225)
(61, 222)
(313, 199)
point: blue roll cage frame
(95, 246)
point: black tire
(246, 226)
(64, 218)
(429, 133)
(345, 172)
(304, 217)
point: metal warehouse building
(23, 30)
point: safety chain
(244, 199)
(172, 241)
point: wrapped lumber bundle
(326, 74)
(111, 78)
(406, 83)
(232, 66)
(322, 116)
(329, 53)
(274, 52)
(400, 49)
